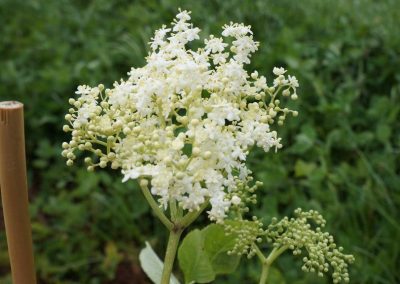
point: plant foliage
(344, 162)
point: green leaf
(216, 245)
(152, 265)
(203, 254)
(193, 259)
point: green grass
(341, 155)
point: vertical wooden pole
(14, 192)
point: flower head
(185, 121)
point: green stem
(267, 262)
(176, 227)
(264, 274)
(191, 216)
(173, 210)
(173, 241)
(153, 204)
(175, 233)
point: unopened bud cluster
(185, 121)
(243, 194)
(246, 233)
(298, 235)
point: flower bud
(66, 128)
(236, 200)
(194, 122)
(196, 151)
(286, 92)
(126, 130)
(207, 155)
(180, 175)
(184, 120)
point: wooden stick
(14, 192)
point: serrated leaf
(153, 266)
(193, 259)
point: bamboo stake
(14, 192)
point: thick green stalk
(173, 242)
(175, 227)
(264, 274)
(175, 233)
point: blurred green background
(341, 155)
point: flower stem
(264, 274)
(190, 217)
(153, 204)
(173, 241)
(267, 261)
(173, 210)
(175, 227)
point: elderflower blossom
(185, 121)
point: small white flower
(183, 16)
(159, 37)
(278, 71)
(83, 90)
(134, 173)
(177, 144)
(293, 81)
(236, 30)
(214, 45)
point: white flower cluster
(186, 120)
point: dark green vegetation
(341, 155)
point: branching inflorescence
(298, 235)
(183, 125)
(186, 120)
(301, 234)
